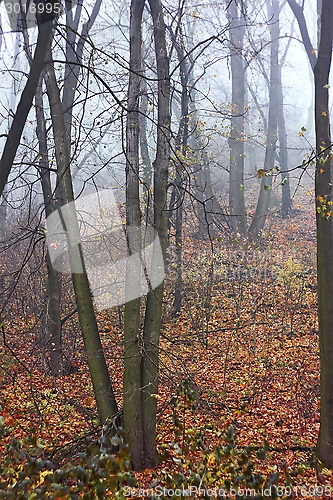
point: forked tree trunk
(260, 214)
(298, 11)
(324, 234)
(105, 400)
(142, 364)
(74, 52)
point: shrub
(98, 472)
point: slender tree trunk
(237, 128)
(24, 106)
(153, 316)
(52, 323)
(133, 418)
(181, 149)
(260, 214)
(74, 52)
(324, 233)
(52, 333)
(147, 170)
(51, 336)
(283, 154)
(3, 218)
(105, 400)
(298, 11)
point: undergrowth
(207, 463)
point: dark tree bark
(283, 153)
(133, 416)
(299, 14)
(324, 233)
(142, 364)
(153, 316)
(24, 106)
(323, 190)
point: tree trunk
(181, 151)
(298, 11)
(133, 422)
(52, 325)
(74, 54)
(153, 316)
(51, 336)
(105, 400)
(260, 214)
(283, 154)
(324, 234)
(236, 139)
(147, 170)
(24, 106)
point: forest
(166, 249)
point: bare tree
(133, 412)
(142, 362)
(323, 190)
(45, 24)
(260, 214)
(105, 399)
(237, 137)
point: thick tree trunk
(237, 128)
(105, 400)
(153, 317)
(260, 214)
(324, 234)
(133, 419)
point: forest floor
(247, 338)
